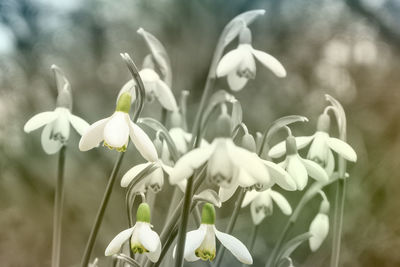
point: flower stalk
(58, 209)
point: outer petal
(39, 120)
(315, 171)
(155, 255)
(280, 176)
(261, 207)
(319, 229)
(249, 197)
(165, 96)
(226, 193)
(193, 242)
(93, 135)
(236, 82)
(50, 146)
(132, 173)
(185, 166)
(116, 131)
(79, 124)
(297, 170)
(229, 62)
(147, 237)
(115, 244)
(330, 164)
(280, 149)
(143, 143)
(237, 248)
(281, 201)
(270, 62)
(342, 148)
(178, 135)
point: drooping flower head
(115, 131)
(56, 123)
(200, 243)
(143, 240)
(319, 227)
(239, 64)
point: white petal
(281, 201)
(296, 169)
(132, 173)
(179, 138)
(235, 82)
(330, 164)
(143, 143)
(147, 237)
(229, 62)
(149, 75)
(116, 131)
(164, 95)
(39, 120)
(193, 242)
(249, 197)
(226, 193)
(79, 124)
(270, 62)
(279, 149)
(50, 146)
(342, 148)
(115, 244)
(319, 229)
(186, 165)
(93, 135)
(319, 148)
(237, 248)
(280, 176)
(259, 207)
(315, 171)
(155, 255)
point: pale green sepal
(143, 213)
(124, 102)
(208, 214)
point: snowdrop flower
(261, 204)
(115, 132)
(321, 147)
(200, 243)
(56, 123)
(239, 64)
(298, 168)
(319, 227)
(143, 239)
(228, 165)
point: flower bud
(324, 207)
(319, 229)
(291, 147)
(245, 36)
(143, 213)
(248, 142)
(208, 214)
(324, 122)
(124, 102)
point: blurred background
(347, 48)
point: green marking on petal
(124, 103)
(143, 213)
(138, 248)
(119, 149)
(208, 214)
(205, 254)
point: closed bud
(248, 142)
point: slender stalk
(338, 221)
(164, 114)
(231, 224)
(58, 209)
(253, 236)
(101, 211)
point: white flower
(228, 165)
(239, 64)
(155, 88)
(321, 146)
(116, 130)
(319, 230)
(200, 243)
(143, 239)
(56, 127)
(298, 168)
(261, 204)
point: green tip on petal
(124, 102)
(143, 213)
(208, 214)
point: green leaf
(292, 245)
(282, 122)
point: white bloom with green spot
(143, 239)
(201, 243)
(116, 130)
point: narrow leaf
(292, 245)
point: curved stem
(101, 211)
(126, 259)
(58, 209)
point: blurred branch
(384, 25)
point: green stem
(231, 224)
(253, 236)
(58, 209)
(101, 211)
(338, 221)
